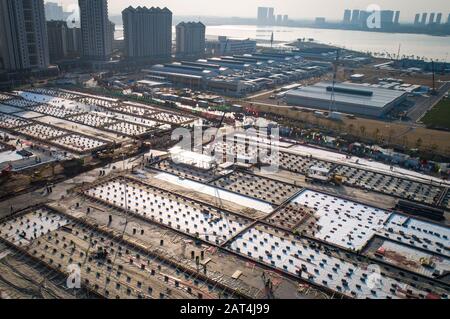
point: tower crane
(332, 98)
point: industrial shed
(349, 98)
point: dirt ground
(372, 76)
(396, 133)
(392, 133)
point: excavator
(321, 175)
(427, 262)
(337, 180)
(100, 254)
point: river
(431, 47)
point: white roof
(319, 169)
(191, 158)
(351, 93)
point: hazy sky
(332, 9)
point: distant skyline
(297, 9)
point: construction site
(67, 132)
(96, 202)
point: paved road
(425, 104)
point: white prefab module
(348, 98)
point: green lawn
(439, 116)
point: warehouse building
(349, 98)
(225, 45)
(238, 75)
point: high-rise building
(363, 18)
(95, 29)
(432, 15)
(424, 18)
(190, 39)
(74, 41)
(57, 40)
(439, 18)
(111, 32)
(347, 16)
(397, 17)
(23, 35)
(355, 17)
(263, 14)
(147, 32)
(320, 21)
(387, 18)
(417, 19)
(271, 16)
(279, 19)
(54, 11)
